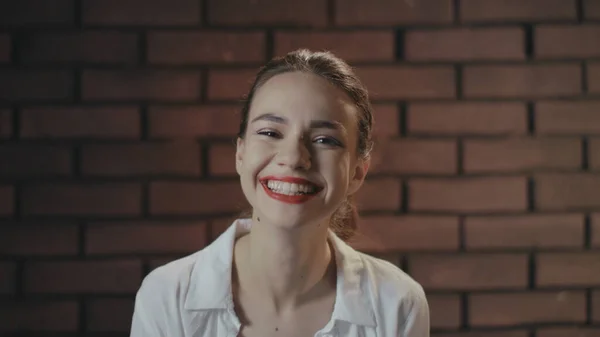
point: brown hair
(339, 73)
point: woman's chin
(287, 219)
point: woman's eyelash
(268, 133)
(329, 141)
(321, 140)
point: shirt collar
(210, 283)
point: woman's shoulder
(389, 282)
(204, 270)
(399, 301)
(170, 277)
(174, 271)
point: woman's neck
(284, 266)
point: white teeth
(289, 188)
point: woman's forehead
(303, 95)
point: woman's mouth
(290, 189)
(282, 187)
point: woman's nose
(295, 155)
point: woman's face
(297, 161)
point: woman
(302, 152)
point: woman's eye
(328, 141)
(268, 133)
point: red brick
(91, 46)
(148, 237)
(596, 229)
(468, 195)
(484, 333)
(197, 47)
(352, 46)
(568, 332)
(39, 239)
(229, 84)
(567, 117)
(524, 231)
(8, 277)
(517, 10)
(196, 197)
(523, 80)
(26, 12)
(509, 309)
(193, 121)
(109, 122)
(29, 160)
(405, 82)
(5, 48)
(444, 311)
(521, 154)
(24, 316)
(593, 77)
(222, 160)
(143, 158)
(141, 84)
(386, 121)
(267, 12)
(7, 203)
(465, 44)
(377, 234)
(470, 271)
(379, 194)
(74, 277)
(109, 314)
(591, 9)
(155, 263)
(594, 153)
(5, 123)
(392, 13)
(568, 269)
(101, 199)
(467, 118)
(24, 84)
(560, 41)
(416, 156)
(141, 12)
(596, 306)
(554, 191)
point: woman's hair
(339, 73)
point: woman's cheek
(260, 153)
(338, 164)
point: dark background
(116, 155)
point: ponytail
(344, 221)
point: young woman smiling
(302, 152)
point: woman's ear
(239, 152)
(359, 174)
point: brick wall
(116, 126)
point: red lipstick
(290, 199)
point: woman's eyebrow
(315, 124)
(324, 124)
(270, 117)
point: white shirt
(191, 297)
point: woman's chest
(310, 319)
(307, 330)
(226, 324)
